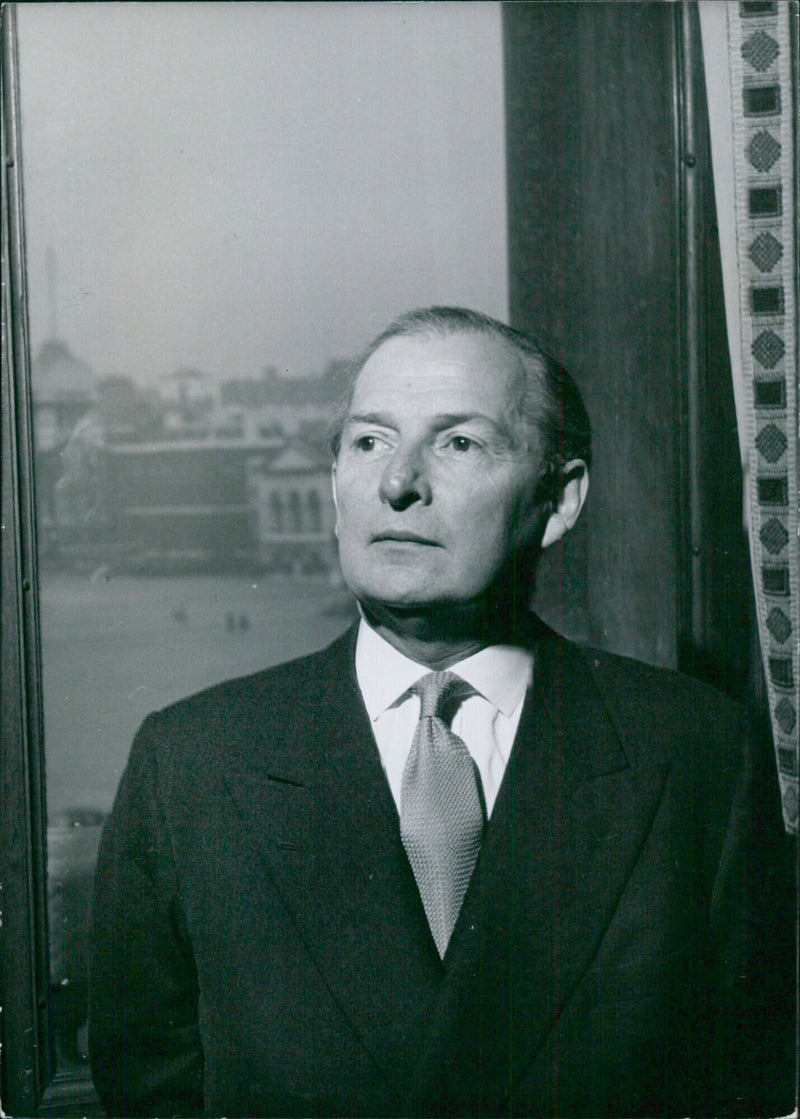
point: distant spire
(50, 265)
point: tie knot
(436, 690)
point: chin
(390, 585)
(420, 600)
(396, 598)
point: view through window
(223, 203)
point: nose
(404, 480)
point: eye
(368, 443)
(461, 443)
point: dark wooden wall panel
(724, 648)
(594, 272)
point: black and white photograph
(400, 568)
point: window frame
(29, 1082)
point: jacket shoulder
(287, 679)
(228, 718)
(660, 712)
(647, 683)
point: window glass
(223, 203)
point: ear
(573, 494)
(335, 500)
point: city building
(290, 492)
(187, 475)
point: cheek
(487, 536)
(500, 527)
(349, 497)
(496, 510)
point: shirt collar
(500, 673)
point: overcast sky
(228, 186)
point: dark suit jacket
(261, 949)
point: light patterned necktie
(441, 809)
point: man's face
(435, 478)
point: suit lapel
(328, 829)
(565, 834)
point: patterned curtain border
(756, 148)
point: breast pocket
(276, 811)
(289, 815)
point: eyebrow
(440, 422)
(370, 418)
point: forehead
(458, 372)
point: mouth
(401, 536)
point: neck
(440, 636)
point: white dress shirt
(486, 721)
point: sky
(228, 186)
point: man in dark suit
(453, 864)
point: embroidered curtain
(752, 100)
